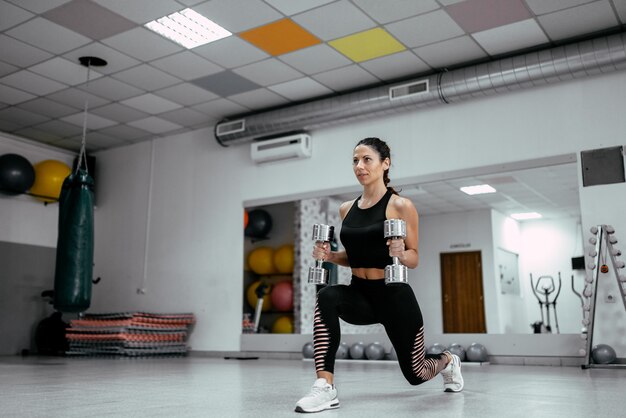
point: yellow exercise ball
(252, 298)
(283, 259)
(283, 325)
(261, 260)
(49, 177)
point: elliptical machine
(543, 289)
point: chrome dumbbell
(321, 234)
(395, 273)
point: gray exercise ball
(603, 354)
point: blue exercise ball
(17, 174)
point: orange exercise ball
(49, 177)
(252, 297)
(261, 260)
(245, 219)
(283, 259)
(283, 325)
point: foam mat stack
(130, 334)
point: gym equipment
(282, 296)
(395, 273)
(477, 352)
(436, 348)
(283, 325)
(261, 260)
(321, 234)
(375, 351)
(49, 177)
(307, 350)
(259, 224)
(545, 287)
(75, 244)
(245, 219)
(283, 259)
(343, 351)
(17, 175)
(458, 349)
(357, 351)
(603, 354)
(252, 295)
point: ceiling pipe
(600, 55)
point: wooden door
(462, 293)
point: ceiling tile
(185, 117)
(76, 98)
(146, 77)
(394, 66)
(21, 116)
(258, 99)
(511, 37)
(290, 7)
(11, 96)
(93, 121)
(186, 65)
(60, 128)
(389, 11)
(41, 136)
(620, 6)
(186, 94)
(116, 61)
(12, 15)
(315, 59)
(280, 37)
(125, 132)
(151, 103)
(95, 141)
(329, 22)
(111, 89)
(367, 45)
(541, 7)
(31, 82)
(221, 52)
(142, 44)
(141, 11)
(479, 15)
(19, 53)
(301, 89)
(39, 6)
(220, 108)
(9, 126)
(346, 78)
(118, 112)
(425, 29)
(589, 18)
(7, 68)
(450, 52)
(48, 36)
(225, 83)
(65, 71)
(155, 125)
(89, 19)
(68, 144)
(268, 72)
(48, 108)
(238, 15)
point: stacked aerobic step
(130, 334)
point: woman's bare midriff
(368, 273)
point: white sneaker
(322, 396)
(452, 379)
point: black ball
(259, 224)
(17, 174)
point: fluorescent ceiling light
(478, 189)
(188, 28)
(526, 215)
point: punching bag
(74, 258)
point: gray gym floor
(214, 387)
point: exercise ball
(603, 354)
(261, 260)
(477, 353)
(245, 219)
(252, 297)
(283, 259)
(457, 349)
(343, 351)
(49, 177)
(283, 325)
(375, 351)
(307, 350)
(357, 351)
(282, 296)
(436, 348)
(259, 224)
(17, 175)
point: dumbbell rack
(603, 240)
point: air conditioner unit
(289, 147)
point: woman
(367, 300)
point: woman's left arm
(406, 250)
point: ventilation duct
(581, 59)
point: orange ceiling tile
(280, 37)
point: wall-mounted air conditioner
(279, 149)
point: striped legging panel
(424, 368)
(321, 340)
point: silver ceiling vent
(581, 59)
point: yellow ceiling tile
(280, 37)
(367, 45)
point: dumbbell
(395, 273)
(322, 234)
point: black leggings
(366, 302)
